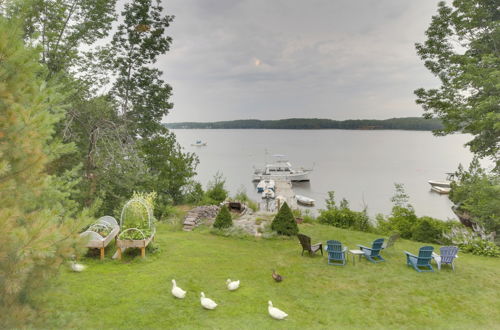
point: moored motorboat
(281, 170)
(268, 193)
(303, 200)
(261, 186)
(443, 184)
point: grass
(135, 293)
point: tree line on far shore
(407, 123)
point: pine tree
(223, 219)
(34, 239)
(284, 222)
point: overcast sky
(273, 59)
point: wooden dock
(282, 188)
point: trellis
(94, 233)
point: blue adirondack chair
(422, 262)
(373, 253)
(448, 255)
(336, 253)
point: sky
(274, 59)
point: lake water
(361, 166)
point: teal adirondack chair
(336, 253)
(373, 253)
(422, 262)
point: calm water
(361, 166)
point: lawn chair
(336, 254)
(390, 242)
(373, 253)
(448, 256)
(422, 261)
(305, 241)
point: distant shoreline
(406, 123)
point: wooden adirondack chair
(305, 241)
(448, 256)
(336, 254)
(390, 242)
(373, 253)
(423, 260)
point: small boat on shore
(441, 190)
(303, 200)
(443, 184)
(199, 143)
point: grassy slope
(136, 293)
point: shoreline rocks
(195, 216)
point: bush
(342, 216)
(242, 196)
(193, 193)
(284, 222)
(471, 242)
(223, 219)
(428, 229)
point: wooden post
(119, 250)
(143, 252)
(102, 253)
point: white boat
(266, 184)
(443, 184)
(268, 193)
(304, 200)
(281, 169)
(441, 190)
(199, 143)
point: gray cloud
(289, 58)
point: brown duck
(277, 277)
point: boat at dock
(281, 170)
(303, 200)
(268, 193)
(266, 184)
(441, 190)
(442, 184)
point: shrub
(193, 193)
(223, 219)
(216, 193)
(471, 242)
(342, 216)
(284, 222)
(242, 196)
(428, 229)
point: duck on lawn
(177, 292)
(232, 285)
(207, 303)
(276, 313)
(277, 277)
(77, 267)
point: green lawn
(135, 293)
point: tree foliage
(284, 222)
(342, 216)
(35, 233)
(463, 50)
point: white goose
(176, 291)
(77, 267)
(207, 302)
(276, 313)
(232, 285)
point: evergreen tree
(223, 219)
(34, 236)
(284, 222)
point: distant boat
(199, 143)
(304, 200)
(266, 184)
(442, 184)
(281, 169)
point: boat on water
(443, 184)
(281, 169)
(268, 193)
(303, 200)
(266, 184)
(441, 190)
(199, 143)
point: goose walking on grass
(232, 285)
(277, 277)
(207, 303)
(176, 291)
(276, 313)
(77, 267)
